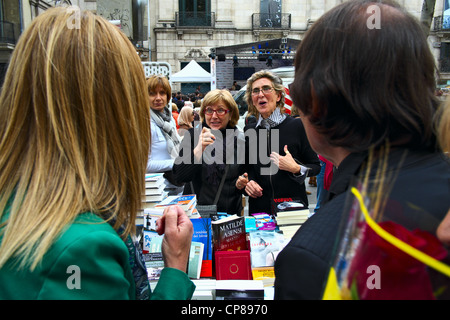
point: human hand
(242, 181)
(177, 230)
(253, 189)
(286, 163)
(206, 138)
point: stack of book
(154, 190)
(290, 221)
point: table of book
(231, 257)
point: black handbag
(210, 210)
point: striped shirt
(273, 120)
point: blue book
(203, 234)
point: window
(194, 13)
(270, 11)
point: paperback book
(229, 234)
(186, 202)
(195, 260)
(265, 246)
(203, 233)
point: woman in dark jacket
(211, 150)
(279, 156)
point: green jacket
(88, 261)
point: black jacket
(206, 177)
(419, 198)
(282, 184)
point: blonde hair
(185, 116)
(75, 132)
(225, 96)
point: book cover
(229, 234)
(203, 233)
(287, 204)
(147, 240)
(265, 274)
(186, 202)
(265, 246)
(195, 260)
(264, 221)
(233, 265)
(152, 253)
(150, 217)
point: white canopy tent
(192, 72)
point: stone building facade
(236, 32)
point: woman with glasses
(278, 154)
(214, 150)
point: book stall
(232, 257)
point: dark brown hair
(371, 84)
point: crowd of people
(78, 138)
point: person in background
(443, 231)
(165, 138)
(235, 86)
(175, 114)
(344, 75)
(291, 159)
(188, 102)
(185, 120)
(323, 181)
(209, 148)
(70, 185)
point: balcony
(442, 24)
(195, 19)
(271, 21)
(444, 65)
(7, 35)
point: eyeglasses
(264, 89)
(220, 112)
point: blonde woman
(205, 154)
(75, 133)
(185, 120)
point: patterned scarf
(137, 264)
(163, 120)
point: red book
(233, 265)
